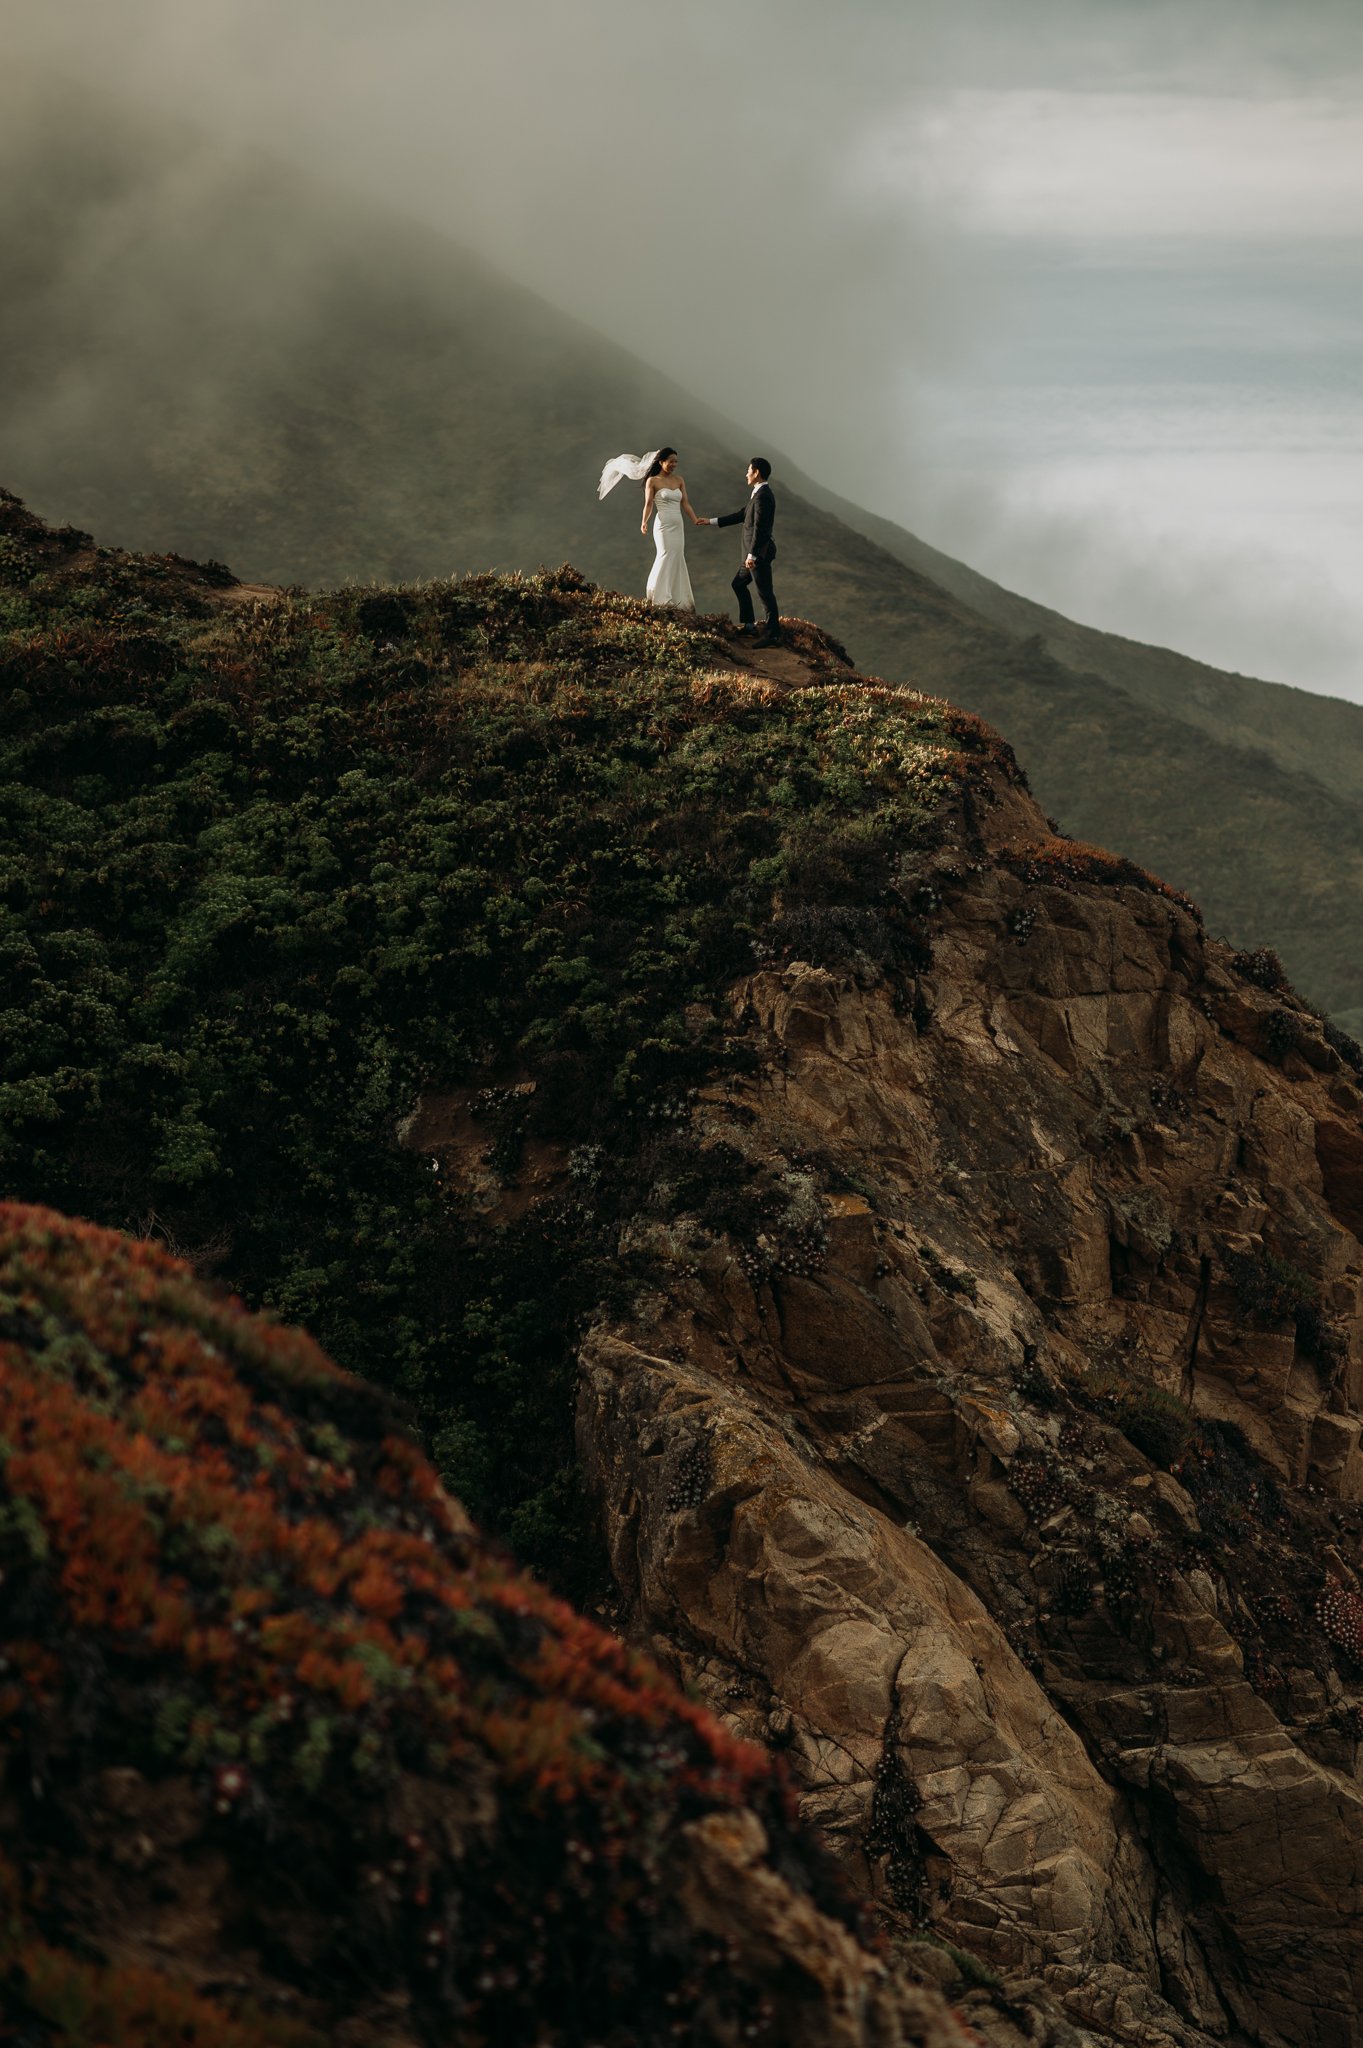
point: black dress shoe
(766, 638)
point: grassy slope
(334, 397)
(263, 874)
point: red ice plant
(281, 1603)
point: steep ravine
(884, 1465)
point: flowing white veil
(635, 467)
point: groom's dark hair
(761, 465)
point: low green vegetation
(1156, 1422)
(267, 873)
(1270, 1291)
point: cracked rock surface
(1004, 1477)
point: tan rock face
(894, 1489)
(826, 1993)
(879, 1652)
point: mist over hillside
(202, 351)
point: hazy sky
(1072, 287)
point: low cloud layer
(1112, 163)
(673, 177)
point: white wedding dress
(669, 582)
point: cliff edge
(886, 1259)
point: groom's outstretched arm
(730, 518)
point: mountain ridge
(339, 396)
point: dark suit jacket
(757, 519)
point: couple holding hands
(667, 505)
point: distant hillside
(203, 352)
(1301, 731)
(200, 351)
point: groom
(759, 552)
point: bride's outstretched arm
(689, 509)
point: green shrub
(266, 874)
(1271, 1291)
(1262, 967)
(1157, 1423)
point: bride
(665, 502)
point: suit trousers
(760, 574)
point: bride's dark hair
(658, 461)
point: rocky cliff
(946, 1253)
(988, 1441)
(1006, 1471)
